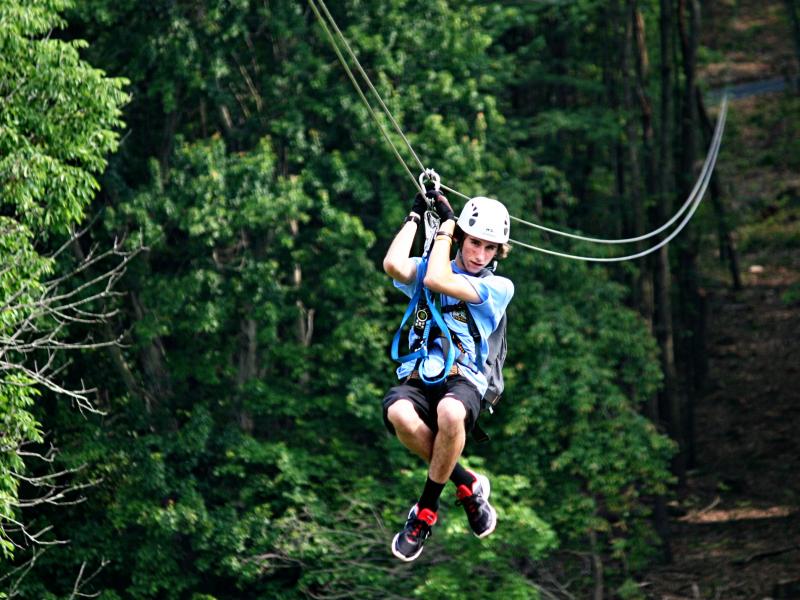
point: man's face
(477, 253)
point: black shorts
(425, 399)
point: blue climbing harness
(427, 319)
(429, 324)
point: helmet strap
(459, 259)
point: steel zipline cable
(702, 184)
(708, 167)
(360, 92)
(691, 204)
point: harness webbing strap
(471, 327)
(422, 351)
(446, 342)
(422, 299)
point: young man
(433, 420)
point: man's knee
(451, 414)
(403, 416)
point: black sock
(460, 476)
(430, 495)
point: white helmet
(486, 219)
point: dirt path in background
(739, 536)
(752, 39)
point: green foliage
(16, 390)
(244, 454)
(777, 232)
(19, 286)
(571, 424)
(630, 590)
(245, 416)
(792, 295)
(17, 394)
(57, 124)
(58, 120)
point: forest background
(195, 324)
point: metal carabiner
(429, 175)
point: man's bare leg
(412, 431)
(415, 435)
(450, 439)
(441, 450)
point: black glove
(420, 205)
(442, 205)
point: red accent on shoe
(463, 492)
(428, 516)
(474, 479)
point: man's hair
(502, 249)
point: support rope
(369, 83)
(361, 93)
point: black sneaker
(475, 499)
(407, 545)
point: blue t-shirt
(495, 293)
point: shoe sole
(487, 490)
(413, 511)
(401, 556)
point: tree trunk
(114, 351)
(694, 309)
(689, 41)
(692, 299)
(597, 567)
(670, 405)
(793, 7)
(645, 103)
(152, 357)
(167, 142)
(614, 80)
(727, 249)
(248, 368)
(643, 290)
(305, 316)
(656, 286)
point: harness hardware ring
(430, 175)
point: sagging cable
(704, 181)
(707, 166)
